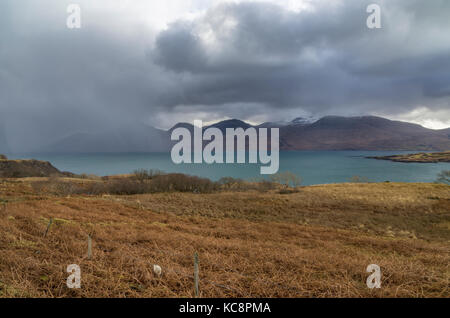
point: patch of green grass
(22, 243)
(159, 224)
(57, 221)
(9, 291)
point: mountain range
(327, 133)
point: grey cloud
(321, 61)
(179, 36)
(55, 81)
(237, 60)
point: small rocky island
(433, 157)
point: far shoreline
(430, 157)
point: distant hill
(299, 121)
(328, 133)
(139, 138)
(27, 168)
(231, 123)
(363, 133)
(223, 125)
(349, 133)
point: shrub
(229, 183)
(122, 187)
(56, 185)
(157, 183)
(287, 179)
(288, 191)
(143, 175)
(68, 174)
(182, 183)
(265, 185)
(129, 186)
(88, 176)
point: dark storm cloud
(236, 60)
(324, 60)
(55, 81)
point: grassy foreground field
(313, 243)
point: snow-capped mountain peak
(304, 120)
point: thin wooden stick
(196, 274)
(89, 247)
(48, 227)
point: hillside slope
(362, 133)
(314, 243)
(349, 133)
(138, 138)
(26, 168)
(328, 133)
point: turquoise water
(315, 167)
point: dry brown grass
(314, 243)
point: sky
(162, 62)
